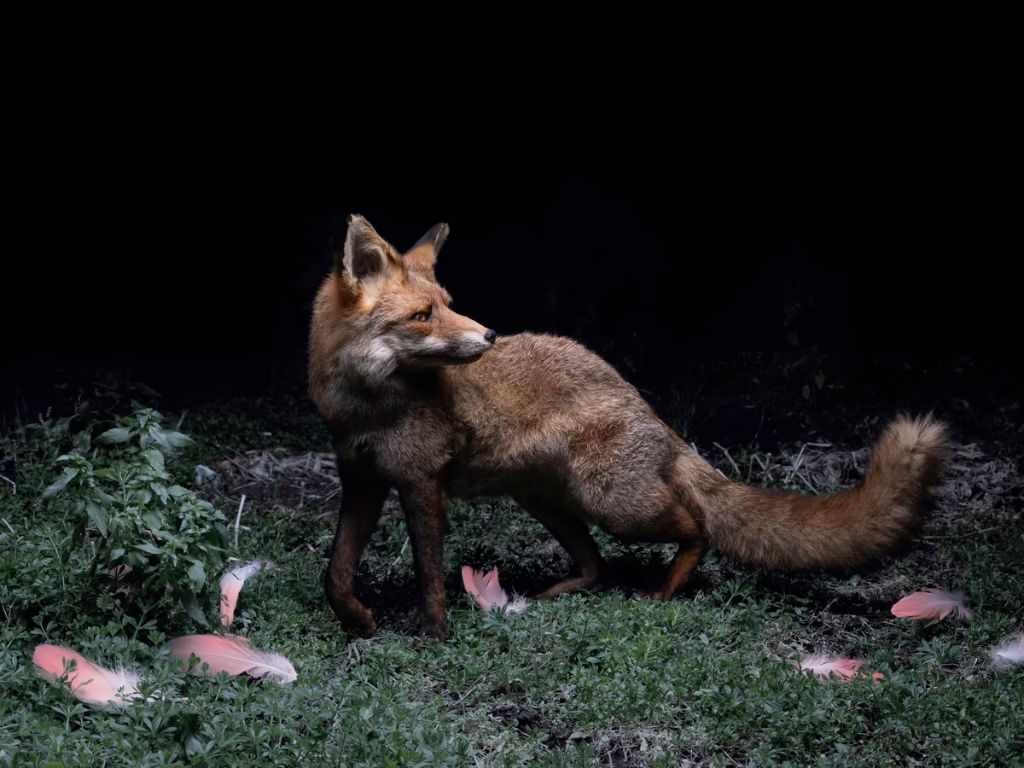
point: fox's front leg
(423, 504)
(363, 494)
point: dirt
(274, 479)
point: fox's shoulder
(543, 345)
(548, 355)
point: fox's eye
(421, 317)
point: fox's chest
(416, 442)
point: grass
(589, 679)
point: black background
(179, 230)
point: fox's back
(537, 406)
(528, 379)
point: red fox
(430, 402)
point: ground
(601, 678)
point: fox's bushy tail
(789, 530)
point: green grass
(589, 679)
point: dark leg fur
(692, 547)
(424, 516)
(573, 534)
(363, 496)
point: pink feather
(88, 682)
(1010, 653)
(234, 655)
(231, 584)
(822, 667)
(934, 604)
(484, 587)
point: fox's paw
(366, 627)
(435, 629)
(357, 619)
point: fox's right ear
(367, 259)
(423, 255)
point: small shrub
(114, 523)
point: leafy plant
(130, 523)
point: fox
(435, 405)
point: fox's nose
(490, 335)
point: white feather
(1010, 654)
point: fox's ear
(367, 259)
(423, 255)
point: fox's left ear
(423, 255)
(367, 260)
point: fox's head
(382, 311)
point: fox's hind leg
(692, 547)
(362, 498)
(683, 565)
(573, 534)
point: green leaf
(222, 533)
(147, 547)
(155, 459)
(61, 482)
(98, 516)
(192, 609)
(176, 439)
(82, 441)
(153, 521)
(196, 574)
(160, 491)
(193, 747)
(115, 435)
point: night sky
(185, 244)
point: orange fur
(426, 408)
(789, 530)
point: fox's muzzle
(470, 345)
